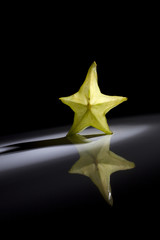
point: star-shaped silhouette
(98, 163)
(90, 105)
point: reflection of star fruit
(98, 163)
(90, 105)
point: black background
(46, 53)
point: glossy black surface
(36, 186)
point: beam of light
(10, 161)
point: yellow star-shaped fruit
(98, 163)
(90, 105)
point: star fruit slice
(90, 105)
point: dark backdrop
(45, 56)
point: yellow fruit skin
(90, 105)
